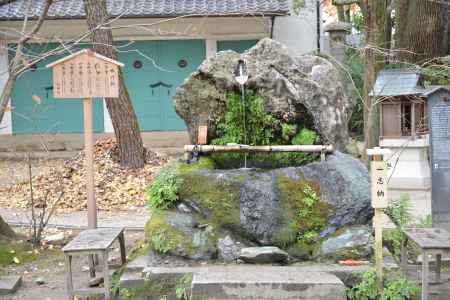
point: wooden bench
(431, 241)
(93, 242)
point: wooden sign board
(379, 184)
(85, 74)
(202, 138)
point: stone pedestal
(409, 173)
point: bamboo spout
(248, 148)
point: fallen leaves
(115, 187)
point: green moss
(219, 197)
(164, 238)
(162, 193)
(307, 216)
(203, 163)
(15, 249)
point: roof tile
(146, 8)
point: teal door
(50, 115)
(239, 46)
(153, 70)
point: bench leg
(404, 253)
(69, 282)
(106, 280)
(438, 267)
(91, 262)
(123, 257)
(424, 275)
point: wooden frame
(432, 241)
(84, 244)
(416, 112)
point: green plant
(258, 128)
(160, 243)
(366, 289)
(426, 222)
(163, 191)
(307, 214)
(399, 288)
(398, 211)
(162, 237)
(183, 286)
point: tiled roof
(397, 82)
(65, 9)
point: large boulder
(295, 90)
(292, 208)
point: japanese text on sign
(379, 184)
(85, 76)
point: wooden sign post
(86, 74)
(379, 190)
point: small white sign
(379, 184)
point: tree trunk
(5, 230)
(6, 95)
(376, 18)
(126, 127)
(421, 30)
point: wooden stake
(89, 162)
(378, 238)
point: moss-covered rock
(176, 233)
(293, 208)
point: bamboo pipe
(247, 148)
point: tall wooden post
(378, 237)
(379, 202)
(87, 75)
(89, 162)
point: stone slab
(9, 284)
(139, 263)
(131, 279)
(267, 283)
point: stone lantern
(337, 32)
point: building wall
(299, 32)
(215, 34)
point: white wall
(152, 28)
(6, 124)
(298, 32)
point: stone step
(260, 282)
(131, 279)
(269, 283)
(9, 284)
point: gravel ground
(49, 266)
(135, 219)
(14, 171)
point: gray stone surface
(292, 89)
(201, 237)
(345, 184)
(267, 284)
(131, 279)
(350, 238)
(9, 284)
(263, 255)
(351, 242)
(139, 263)
(228, 248)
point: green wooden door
(239, 46)
(51, 115)
(153, 71)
